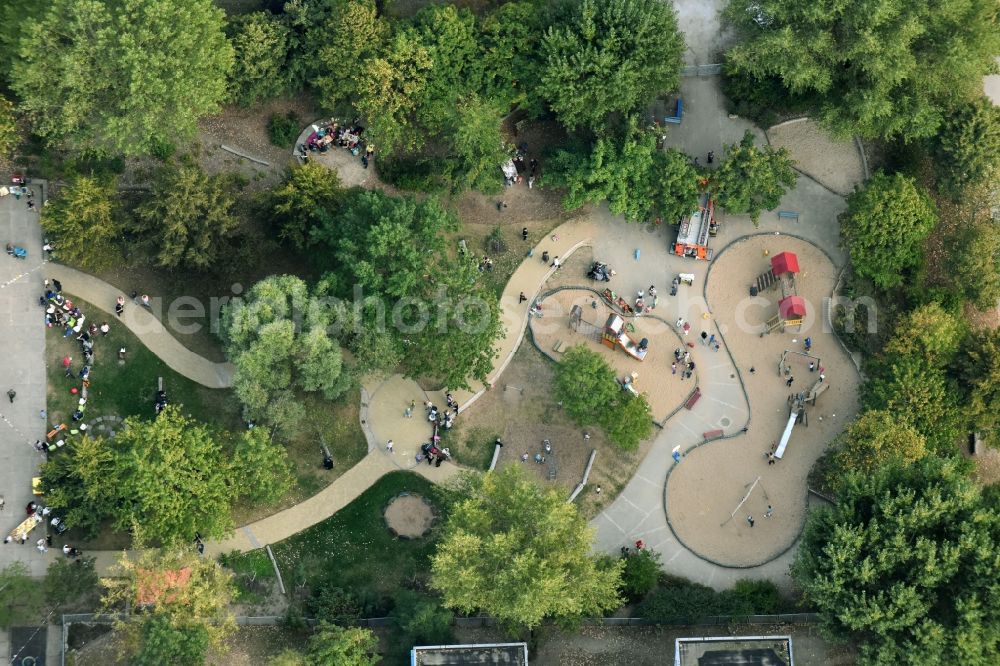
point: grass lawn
(126, 389)
(353, 549)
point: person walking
(11, 393)
(769, 512)
(750, 520)
(41, 546)
(770, 458)
(135, 297)
(753, 370)
(56, 284)
(145, 302)
(673, 368)
(556, 264)
(521, 298)
(812, 367)
(120, 306)
(524, 234)
(2, 502)
(704, 338)
(789, 381)
(389, 445)
(105, 329)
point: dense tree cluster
(885, 69)
(164, 480)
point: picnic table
(25, 527)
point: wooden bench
(693, 399)
(788, 215)
(559, 347)
(678, 112)
(712, 434)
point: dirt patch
(409, 516)
(711, 480)
(835, 164)
(522, 410)
(245, 129)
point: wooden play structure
(694, 231)
(615, 336)
(791, 307)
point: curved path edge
(150, 330)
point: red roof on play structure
(786, 262)
(792, 307)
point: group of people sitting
(335, 134)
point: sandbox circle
(409, 516)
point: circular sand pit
(409, 516)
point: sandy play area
(664, 390)
(409, 516)
(709, 482)
(832, 162)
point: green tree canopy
(875, 440)
(967, 148)
(392, 251)
(260, 467)
(389, 87)
(299, 203)
(928, 332)
(605, 57)
(278, 337)
(19, 598)
(979, 376)
(360, 36)
(920, 394)
(977, 271)
(450, 37)
(477, 146)
(638, 181)
(84, 222)
(122, 75)
(522, 554)
(188, 217)
(904, 565)
(260, 46)
(8, 128)
(752, 179)
(186, 598)
(885, 226)
(172, 479)
(510, 36)
(882, 69)
(331, 644)
(586, 386)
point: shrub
(641, 573)
(284, 130)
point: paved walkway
(22, 329)
(145, 326)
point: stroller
(16, 251)
(600, 272)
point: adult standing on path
(11, 394)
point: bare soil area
(829, 161)
(409, 516)
(711, 480)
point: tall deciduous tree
(299, 203)
(389, 87)
(877, 439)
(172, 479)
(187, 218)
(260, 466)
(979, 373)
(393, 251)
(278, 339)
(477, 146)
(883, 68)
(977, 270)
(752, 179)
(967, 148)
(511, 36)
(449, 35)
(543, 544)
(8, 128)
(122, 75)
(360, 36)
(604, 57)
(904, 566)
(186, 599)
(354, 646)
(83, 220)
(885, 226)
(919, 393)
(260, 46)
